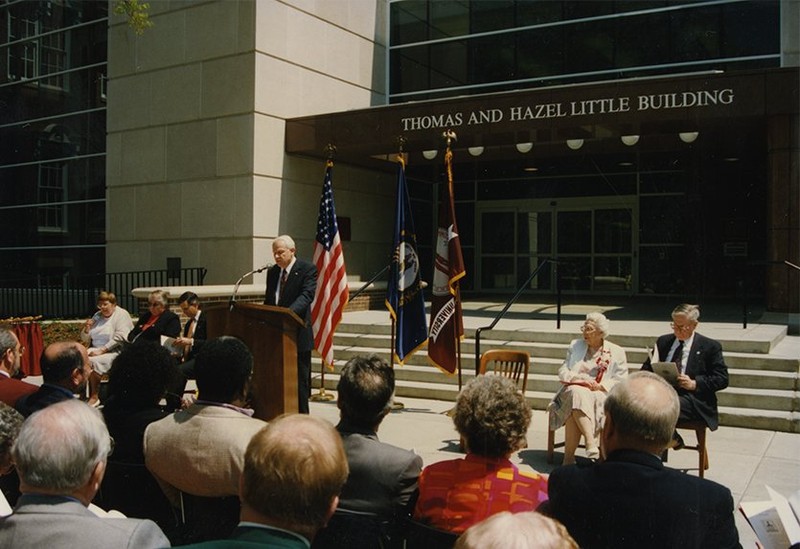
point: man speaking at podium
(291, 283)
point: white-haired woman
(593, 365)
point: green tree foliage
(137, 13)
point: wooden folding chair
(699, 427)
(511, 364)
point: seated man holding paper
(701, 370)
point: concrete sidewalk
(744, 460)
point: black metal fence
(75, 297)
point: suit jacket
(54, 521)
(632, 500)
(297, 295)
(256, 537)
(200, 335)
(12, 389)
(706, 366)
(382, 477)
(199, 450)
(168, 324)
(46, 395)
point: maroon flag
(447, 324)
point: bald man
(65, 371)
(631, 499)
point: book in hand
(667, 370)
(170, 345)
(776, 522)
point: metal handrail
(513, 300)
(369, 282)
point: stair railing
(513, 300)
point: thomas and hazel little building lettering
(585, 107)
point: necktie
(190, 324)
(677, 356)
(284, 276)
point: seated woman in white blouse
(593, 365)
(104, 333)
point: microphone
(238, 282)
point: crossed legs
(577, 425)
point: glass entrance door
(593, 244)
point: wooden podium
(271, 334)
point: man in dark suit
(701, 369)
(61, 454)
(291, 283)
(65, 372)
(194, 333)
(382, 477)
(284, 505)
(11, 389)
(631, 499)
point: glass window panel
(536, 13)
(540, 52)
(409, 21)
(575, 273)
(497, 273)
(497, 232)
(448, 64)
(73, 224)
(468, 281)
(750, 28)
(493, 59)
(612, 273)
(577, 9)
(410, 69)
(465, 217)
(642, 40)
(574, 232)
(534, 233)
(449, 19)
(490, 15)
(612, 231)
(654, 278)
(660, 219)
(463, 189)
(664, 182)
(542, 281)
(590, 46)
(695, 34)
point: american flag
(332, 293)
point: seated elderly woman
(104, 333)
(593, 365)
(492, 419)
(157, 321)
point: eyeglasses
(153, 304)
(22, 349)
(684, 328)
(588, 329)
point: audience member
(382, 477)
(157, 321)
(492, 419)
(294, 470)
(291, 283)
(200, 450)
(65, 372)
(11, 389)
(701, 369)
(137, 382)
(61, 454)
(528, 530)
(592, 367)
(10, 422)
(631, 499)
(104, 333)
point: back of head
(58, 447)
(528, 530)
(294, 468)
(365, 390)
(223, 368)
(644, 409)
(10, 423)
(492, 416)
(140, 375)
(59, 360)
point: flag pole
(396, 404)
(450, 136)
(321, 395)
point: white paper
(787, 516)
(775, 521)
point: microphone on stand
(238, 282)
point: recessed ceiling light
(530, 169)
(731, 159)
(625, 164)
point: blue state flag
(404, 297)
